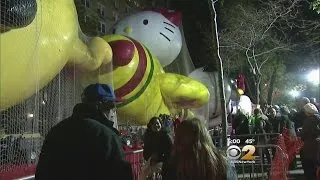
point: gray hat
(310, 108)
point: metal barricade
(134, 157)
(270, 163)
(32, 177)
(269, 160)
(263, 167)
(137, 161)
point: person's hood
(83, 110)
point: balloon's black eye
(145, 22)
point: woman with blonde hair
(194, 155)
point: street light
(294, 93)
(313, 76)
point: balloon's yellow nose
(127, 30)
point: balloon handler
(140, 80)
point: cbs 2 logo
(234, 152)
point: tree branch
(269, 51)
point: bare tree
(315, 5)
(250, 32)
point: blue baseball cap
(99, 93)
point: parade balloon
(241, 83)
(37, 40)
(245, 105)
(210, 80)
(157, 29)
(140, 81)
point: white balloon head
(157, 29)
(245, 105)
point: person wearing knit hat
(300, 115)
(310, 109)
(309, 134)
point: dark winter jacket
(158, 145)
(280, 122)
(84, 146)
(242, 126)
(310, 133)
(298, 119)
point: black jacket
(84, 146)
(298, 119)
(158, 145)
(310, 133)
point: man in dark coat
(300, 116)
(85, 145)
(309, 134)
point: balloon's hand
(90, 56)
(123, 52)
(182, 92)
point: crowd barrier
(134, 157)
(272, 167)
(270, 158)
(137, 161)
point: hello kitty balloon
(157, 29)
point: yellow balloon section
(240, 91)
(145, 88)
(32, 56)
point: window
(86, 3)
(116, 4)
(85, 19)
(102, 27)
(101, 11)
(115, 16)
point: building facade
(96, 17)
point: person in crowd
(292, 111)
(264, 107)
(242, 122)
(275, 123)
(167, 122)
(288, 123)
(177, 120)
(157, 142)
(194, 156)
(259, 121)
(277, 108)
(242, 126)
(85, 145)
(272, 114)
(309, 134)
(299, 116)
(314, 102)
(279, 121)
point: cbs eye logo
(234, 152)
